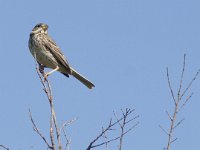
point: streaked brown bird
(48, 54)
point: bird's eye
(37, 26)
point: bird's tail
(82, 79)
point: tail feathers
(82, 79)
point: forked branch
(53, 124)
(122, 122)
(179, 102)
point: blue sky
(123, 46)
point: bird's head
(40, 28)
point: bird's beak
(44, 27)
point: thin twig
(4, 147)
(68, 140)
(106, 139)
(122, 125)
(163, 130)
(174, 140)
(168, 115)
(52, 131)
(47, 89)
(62, 128)
(178, 103)
(109, 127)
(179, 123)
(136, 124)
(187, 99)
(101, 134)
(170, 87)
(182, 74)
(190, 84)
(56, 126)
(172, 125)
(38, 131)
(103, 143)
(67, 123)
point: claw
(48, 73)
(45, 76)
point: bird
(48, 55)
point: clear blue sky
(123, 46)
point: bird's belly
(46, 58)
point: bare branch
(187, 99)
(68, 140)
(137, 123)
(163, 130)
(174, 140)
(190, 84)
(109, 127)
(64, 125)
(35, 128)
(178, 104)
(67, 123)
(103, 143)
(132, 119)
(48, 91)
(4, 147)
(106, 139)
(170, 87)
(122, 126)
(169, 115)
(56, 126)
(52, 133)
(182, 74)
(101, 134)
(178, 123)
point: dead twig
(55, 130)
(35, 128)
(4, 147)
(122, 122)
(48, 91)
(53, 124)
(62, 128)
(179, 103)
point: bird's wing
(56, 52)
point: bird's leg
(41, 68)
(48, 73)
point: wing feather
(56, 52)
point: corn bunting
(48, 54)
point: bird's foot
(45, 76)
(41, 68)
